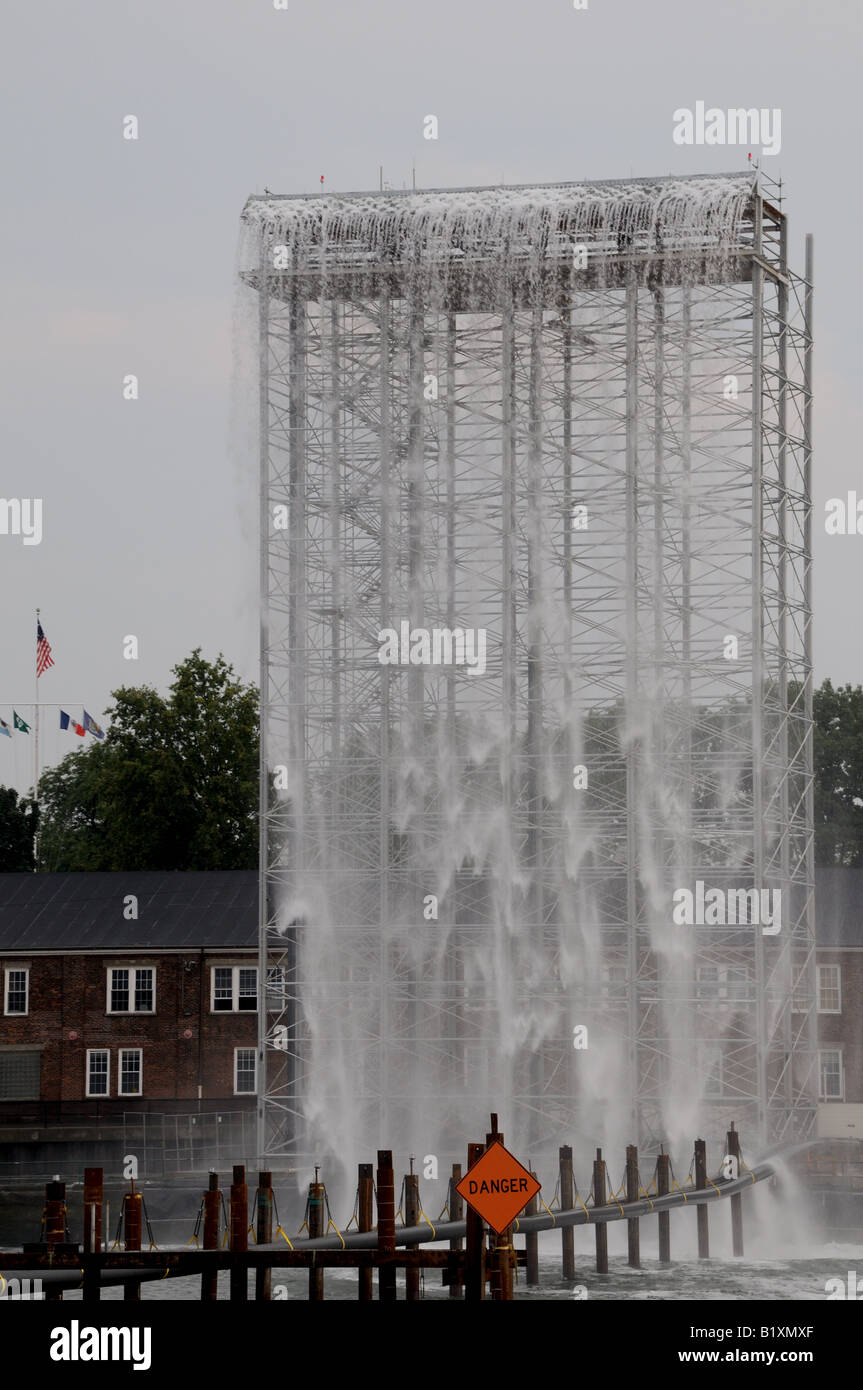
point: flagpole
(36, 717)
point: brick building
(138, 992)
(127, 991)
(839, 911)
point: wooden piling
(701, 1210)
(599, 1200)
(365, 1222)
(501, 1262)
(412, 1218)
(567, 1202)
(133, 1204)
(663, 1186)
(55, 1226)
(55, 1213)
(239, 1239)
(531, 1242)
(93, 1201)
(316, 1228)
(92, 1223)
(632, 1236)
(474, 1244)
(386, 1225)
(456, 1212)
(212, 1204)
(264, 1232)
(732, 1140)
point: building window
(277, 993)
(799, 1000)
(16, 998)
(132, 991)
(724, 984)
(20, 1075)
(234, 989)
(831, 1083)
(829, 989)
(97, 1071)
(130, 1071)
(245, 1071)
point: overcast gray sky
(119, 258)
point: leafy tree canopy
(19, 819)
(174, 784)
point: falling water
(501, 411)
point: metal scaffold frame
(599, 455)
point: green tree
(174, 785)
(838, 759)
(19, 821)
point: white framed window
(245, 1071)
(131, 991)
(129, 1072)
(234, 989)
(98, 1071)
(16, 993)
(829, 989)
(277, 991)
(831, 1078)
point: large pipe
(447, 1230)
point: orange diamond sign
(498, 1187)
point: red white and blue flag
(44, 659)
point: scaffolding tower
(569, 425)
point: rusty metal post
(55, 1213)
(239, 1242)
(701, 1210)
(365, 1222)
(474, 1244)
(531, 1241)
(92, 1219)
(632, 1237)
(502, 1255)
(663, 1186)
(55, 1226)
(732, 1140)
(133, 1223)
(412, 1218)
(93, 1200)
(316, 1228)
(567, 1202)
(456, 1212)
(386, 1227)
(264, 1232)
(212, 1204)
(601, 1232)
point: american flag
(44, 659)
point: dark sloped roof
(84, 911)
(839, 907)
(81, 912)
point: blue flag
(4, 728)
(64, 719)
(91, 726)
